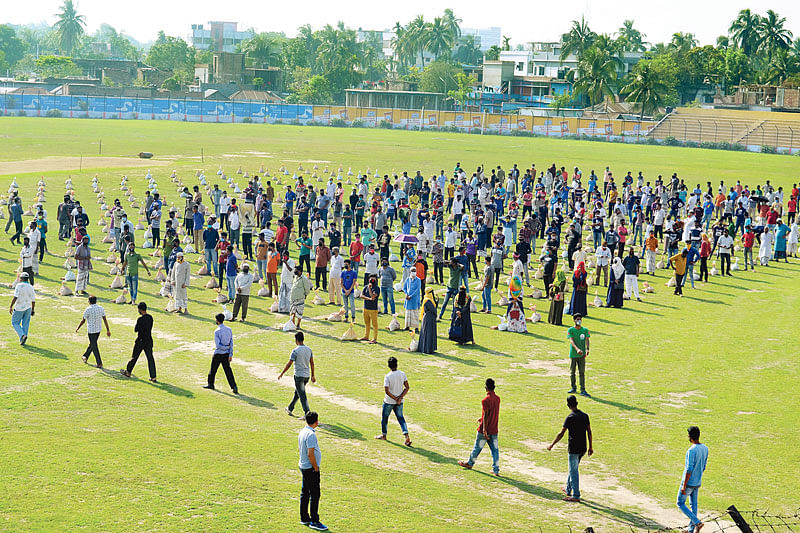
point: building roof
(260, 96)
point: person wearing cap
(83, 258)
(180, 276)
(578, 352)
(242, 284)
(22, 307)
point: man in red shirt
(355, 254)
(791, 208)
(282, 237)
(748, 238)
(487, 429)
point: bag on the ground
(228, 315)
(394, 325)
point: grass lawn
(86, 448)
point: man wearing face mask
(578, 352)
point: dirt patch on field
(51, 164)
(545, 368)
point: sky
(523, 21)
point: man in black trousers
(223, 354)
(143, 343)
(310, 460)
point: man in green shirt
(578, 352)
(305, 244)
(368, 235)
(131, 268)
(453, 283)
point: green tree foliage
(493, 53)
(597, 74)
(69, 27)
(170, 53)
(647, 86)
(318, 90)
(773, 37)
(264, 49)
(464, 86)
(631, 39)
(12, 46)
(440, 77)
(744, 31)
(577, 40)
(56, 67)
(467, 52)
(561, 101)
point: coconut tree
(506, 43)
(417, 34)
(744, 30)
(646, 88)
(452, 23)
(597, 74)
(577, 40)
(682, 42)
(773, 36)
(69, 27)
(439, 40)
(633, 39)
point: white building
(485, 37)
(218, 36)
(544, 59)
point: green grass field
(85, 448)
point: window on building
(540, 70)
(520, 66)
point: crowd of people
(480, 228)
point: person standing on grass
(321, 259)
(180, 278)
(26, 256)
(143, 343)
(725, 245)
(131, 268)
(16, 215)
(22, 307)
(92, 316)
(487, 429)
(242, 284)
(301, 288)
(370, 295)
(578, 352)
(83, 258)
(223, 354)
(696, 459)
(395, 386)
(303, 359)
(486, 286)
(678, 262)
(577, 423)
(310, 459)
(631, 264)
(387, 277)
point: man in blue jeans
(453, 284)
(696, 458)
(577, 423)
(395, 385)
(387, 276)
(487, 430)
(303, 360)
(349, 282)
(210, 241)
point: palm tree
(439, 40)
(416, 32)
(744, 30)
(493, 53)
(682, 42)
(782, 65)
(723, 42)
(402, 47)
(506, 43)
(645, 88)
(772, 34)
(262, 48)
(597, 74)
(452, 23)
(69, 27)
(577, 40)
(632, 38)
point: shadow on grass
(342, 431)
(430, 455)
(620, 405)
(44, 352)
(453, 358)
(255, 402)
(484, 349)
(624, 517)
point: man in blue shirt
(696, 458)
(223, 354)
(310, 459)
(289, 199)
(231, 270)
(197, 226)
(349, 278)
(210, 241)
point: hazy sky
(522, 20)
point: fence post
(739, 520)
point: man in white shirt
(36, 238)
(724, 247)
(603, 256)
(450, 236)
(93, 317)
(224, 207)
(371, 260)
(242, 284)
(395, 386)
(26, 255)
(22, 307)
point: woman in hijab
(616, 284)
(515, 312)
(427, 329)
(461, 321)
(577, 303)
(557, 299)
(781, 234)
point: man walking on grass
(143, 343)
(577, 423)
(22, 307)
(578, 352)
(94, 317)
(310, 460)
(696, 458)
(395, 385)
(303, 359)
(487, 430)
(223, 354)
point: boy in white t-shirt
(395, 385)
